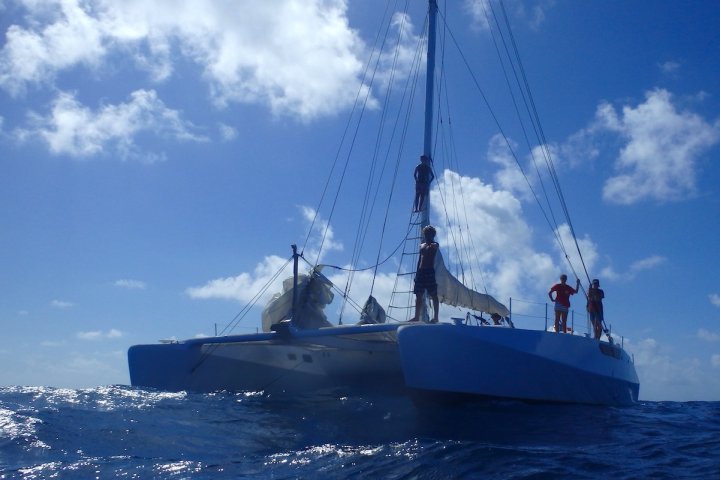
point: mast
(429, 93)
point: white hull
(521, 364)
(333, 357)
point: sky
(159, 158)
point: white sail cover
(372, 312)
(452, 292)
(313, 295)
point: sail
(314, 294)
(372, 312)
(452, 292)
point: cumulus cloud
(508, 176)
(99, 335)
(73, 129)
(588, 248)
(244, 287)
(298, 57)
(502, 250)
(662, 147)
(263, 280)
(130, 284)
(666, 376)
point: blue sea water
(124, 432)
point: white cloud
(504, 255)
(663, 145)
(244, 287)
(635, 268)
(130, 284)
(321, 239)
(73, 129)
(664, 375)
(714, 299)
(715, 360)
(708, 336)
(61, 304)
(588, 248)
(34, 55)
(299, 57)
(532, 15)
(99, 335)
(509, 176)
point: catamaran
(299, 350)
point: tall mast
(429, 93)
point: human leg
(557, 321)
(436, 308)
(563, 321)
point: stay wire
(342, 143)
(546, 149)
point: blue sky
(159, 158)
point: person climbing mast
(423, 177)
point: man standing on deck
(562, 301)
(423, 176)
(425, 276)
(595, 307)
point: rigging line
(251, 303)
(361, 87)
(455, 158)
(442, 93)
(363, 227)
(366, 214)
(401, 147)
(439, 121)
(413, 85)
(554, 224)
(392, 254)
(554, 227)
(440, 134)
(233, 323)
(499, 126)
(544, 141)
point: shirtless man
(423, 177)
(425, 276)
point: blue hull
(460, 360)
(298, 361)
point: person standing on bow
(423, 176)
(425, 275)
(562, 301)
(595, 307)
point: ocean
(125, 432)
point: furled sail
(452, 292)
(372, 312)
(314, 293)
